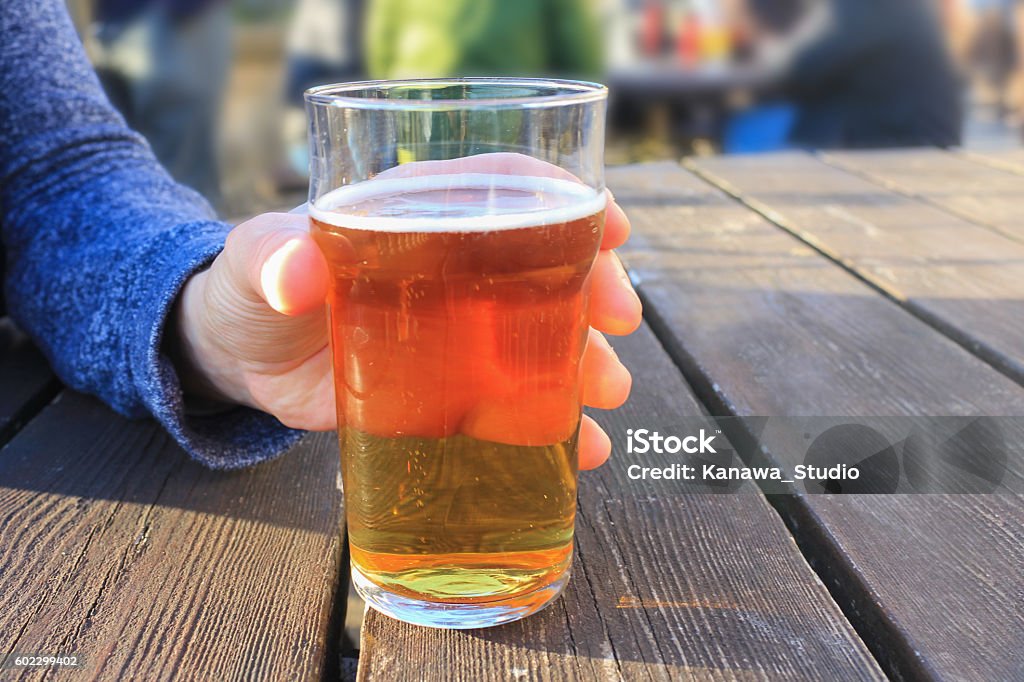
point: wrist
(206, 371)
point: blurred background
(215, 85)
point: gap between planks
(1012, 164)
(28, 384)
(850, 586)
(893, 186)
(962, 338)
(136, 519)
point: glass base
(456, 616)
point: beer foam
(427, 204)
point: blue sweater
(99, 240)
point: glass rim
(562, 92)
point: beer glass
(460, 219)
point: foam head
(462, 202)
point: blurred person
(164, 65)
(958, 20)
(324, 46)
(861, 73)
(992, 53)
(428, 38)
(136, 293)
(766, 125)
(1018, 84)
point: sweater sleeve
(99, 240)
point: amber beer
(458, 314)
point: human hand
(252, 327)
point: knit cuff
(233, 439)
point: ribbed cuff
(230, 440)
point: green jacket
(438, 38)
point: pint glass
(460, 220)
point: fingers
(274, 258)
(497, 163)
(616, 224)
(294, 278)
(606, 381)
(616, 230)
(616, 309)
(595, 446)
(614, 306)
(617, 227)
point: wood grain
(764, 325)
(665, 586)
(26, 381)
(987, 195)
(961, 278)
(115, 546)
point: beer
(458, 316)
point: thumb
(273, 257)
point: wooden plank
(988, 196)
(665, 586)
(26, 381)
(961, 278)
(763, 325)
(115, 546)
(1011, 160)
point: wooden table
(840, 284)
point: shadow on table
(79, 449)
